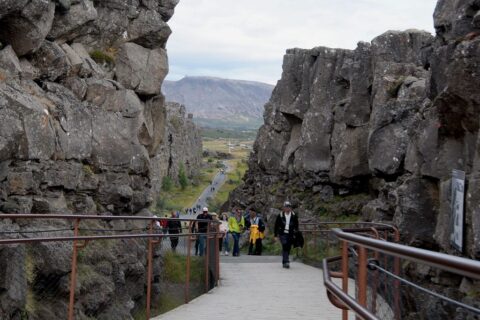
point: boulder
(416, 212)
(167, 8)
(29, 72)
(26, 29)
(104, 94)
(13, 281)
(89, 67)
(115, 142)
(9, 6)
(27, 131)
(73, 58)
(51, 61)
(10, 66)
(152, 131)
(141, 69)
(455, 19)
(51, 203)
(68, 22)
(349, 150)
(149, 30)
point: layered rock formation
(84, 130)
(182, 146)
(376, 131)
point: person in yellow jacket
(236, 226)
(257, 233)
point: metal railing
(148, 232)
(368, 251)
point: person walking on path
(286, 225)
(174, 227)
(163, 224)
(236, 225)
(257, 233)
(224, 230)
(202, 228)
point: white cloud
(246, 39)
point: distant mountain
(217, 102)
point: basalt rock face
(376, 132)
(182, 146)
(84, 129)
(337, 127)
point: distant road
(217, 183)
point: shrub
(167, 184)
(182, 177)
(102, 57)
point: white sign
(457, 201)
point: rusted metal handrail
(344, 297)
(377, 242)
(109, 237)
(95, 217)
(462, 266)
(150, 235)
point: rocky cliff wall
(182, 146)
(84, 130)
(376, 131)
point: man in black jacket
(202, 228)
(286, 225)
(174, 227)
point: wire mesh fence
(113, 269)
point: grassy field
(178, 199)
(238, 166)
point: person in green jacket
(236, 225)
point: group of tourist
(234, 224)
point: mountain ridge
(220, 99)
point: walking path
(254, 287)
(217, 182)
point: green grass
(234, 179)
(271, 246)
(166, 303)
(178, 199)
(175, 267)
(102, 57)
(233, 125)
(210, 133)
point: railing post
(362, 276)
(396, 270)
(151, 243)
(375, 275)
(345, 274)
(187, 271)
(73, 274)
(217, 253)
(206, 255)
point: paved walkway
(207, 193)
(259, 288)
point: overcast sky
(246, 39)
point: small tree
(182, 177)
(239, 174)
(167, 184)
